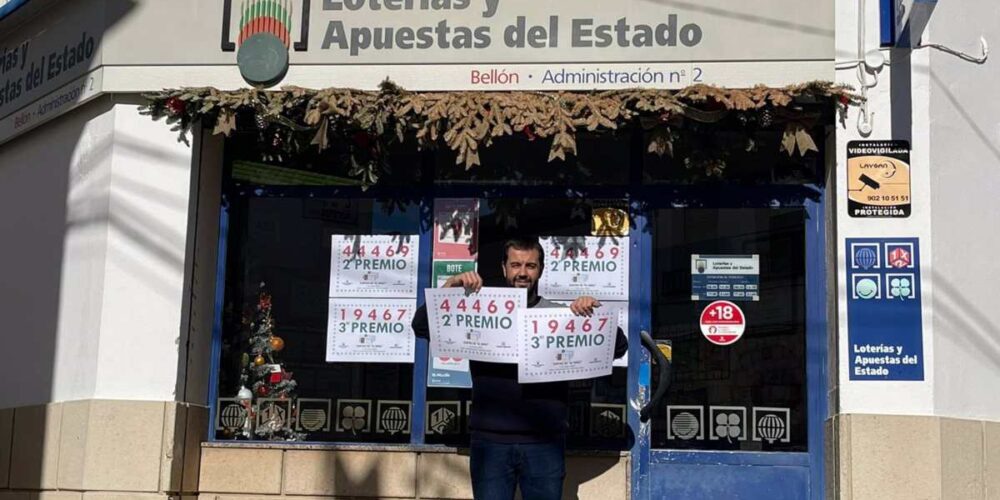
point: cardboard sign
(878, 179)
(370, 330)
(479, 326)
(589, 265)
(374, 266)
(556, 344)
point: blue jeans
(498, 468)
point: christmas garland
(294, 118)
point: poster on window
(478, 326)
(556, 345)
(585, 265)
(449, 372)
(373, 266)
(621, 310)
(456, 227)
(370, 330)
(725, 277)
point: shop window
(749, 395)
(286, 244)
(283, 238)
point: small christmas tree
(271, 387)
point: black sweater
(506, 411)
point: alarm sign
(722, 322)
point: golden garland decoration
(467, 121)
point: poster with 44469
(575, 266)
(374, 266)
(479, 326)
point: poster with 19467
(370, 330)
(556, 344)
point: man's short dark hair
(524, 243)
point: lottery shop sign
(479, 326)
(555, 345)
(722, 323)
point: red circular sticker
(722, 322)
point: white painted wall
(94, 215)
(53, 192)
(901, 398)
(965, 172)
(955, 163)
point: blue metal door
(741, 421)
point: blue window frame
(887, 21)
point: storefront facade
(153, 268)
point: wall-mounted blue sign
(884, 327)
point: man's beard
(532, 286)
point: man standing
(518, 430)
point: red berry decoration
(529, 132)
(176, 106)
(262, 390)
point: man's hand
(470, 280)
(584, 306)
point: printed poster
(725, 277)
(479, 326)
(374, 266)
(370, 330)
(620, 309)
(456, 228)
(444, 269)
(585, 265)
(556, 345)
(449, 372)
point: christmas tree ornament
(244, 394)
(262, 390)
(244, 359)
(277, 343)
(259, 360)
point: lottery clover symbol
(353, 418)
(728, 425)
(900, 287)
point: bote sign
(722, 322)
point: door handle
(663, 369)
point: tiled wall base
(888, 457)
(229, 473)
(101, 450)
